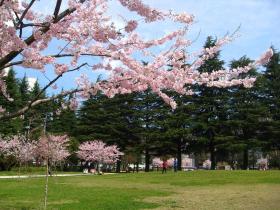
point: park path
(41, 175)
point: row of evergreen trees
(231, 124)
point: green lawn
(184, 190)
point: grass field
(184, 190)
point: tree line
(233, 124)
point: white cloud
(31, 82)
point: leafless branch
(57, 8)
(35, 103)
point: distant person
(164, 166)
(175, 164)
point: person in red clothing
(164, 166)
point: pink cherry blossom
(157, 162)
(53, 148)
(19, 147)
(60, 68)
(86, 28)
(131, 26)
(98, 151)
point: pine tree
(107, 119)
(245, 115)
(271, 91)
(210, 108)
(12, 126)
(24, 91)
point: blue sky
(259, 20)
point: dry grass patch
(226, 197)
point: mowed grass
(183, 190)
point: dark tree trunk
(212, 158)
(147, 160)
(210, 134)
(245, 159)
(137, 167)
(179, 155)
(118, 169)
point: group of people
(165, 165)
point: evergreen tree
(11, 126)
(24, 91)
(210, 108)
(271, 92)
(246, 115)
(107, 119)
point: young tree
(20, 148)
(85, 29)
(98, 152)
(51, 149)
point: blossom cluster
(51, 148)
(86, 29)
(18, 147)
(98, 151)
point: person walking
(164, 166)
(175, 164)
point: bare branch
(54, 80)
(35, 103)
(25, 11)
(57, 8)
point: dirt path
(38, 176)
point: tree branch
(8, 58)
(54, 56)
(54, 80)
(35, 103)
(57, 8)
(23, 15)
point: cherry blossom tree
(3, 145)
(207, 164)
(186, 162)
(52, 149)
(22, 149)
(262, 163)
(170, 162)
(98, 152)
(84, 28)
(157, 163)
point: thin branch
(37, 102)
(54, 56)
(25, 11)
(54, 80)
(63, 48)
(22, 16)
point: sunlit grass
(184, 190)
